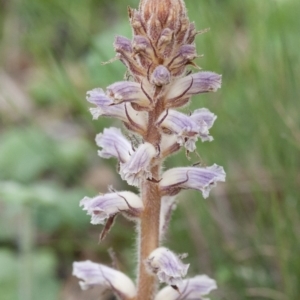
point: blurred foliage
(245, 235)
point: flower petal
(202, 179)
(189, 289)
(184, 88)
(113, 144)
(109, 279)
(205, 120)
(104, 206)
(126, 91)
(135, 170)
(167, 266)
(105, 107)
(182, 125)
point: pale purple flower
(137, 168)
(114, 144)
(183, 88)
(189, 289)
(93, 274)
(167, 266)
(202, 179)
(186, 129)
(135, 120)
(122, 44)
(126, 91)
(102, 207)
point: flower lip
(184, 88)
(93, 274)
(167, 266)
(137, 168)
(202, 179)
(189, 289)
(101, 207)
(186, 129)
(113, 144)
(126, 91)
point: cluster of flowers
(156, 58)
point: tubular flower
(114, 144)
(167, 266)
(137, 168)
(188, 289)
(135, 120)
(104, 206)
(202, 179)
(184, 127)
(180, 91)
(126, 91)
(93, 274)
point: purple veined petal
(104, 206)
(201, 82)
(104, 105)
(189, 289)
(136, 120)
(137, 168)
(167, 266)
(203, 114)
(126, 91)
(168, 204)
(98, 97)
(114, 144)
(205, 120)
(93, 274)
(186, 129)
(202, 179)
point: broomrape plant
(156, 59)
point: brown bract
(160, 28)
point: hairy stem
(149, 236)
(149, 221)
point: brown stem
(149, 236)
(149, 221)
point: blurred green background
(246, 235)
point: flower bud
(182, 89)
(161, 76)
